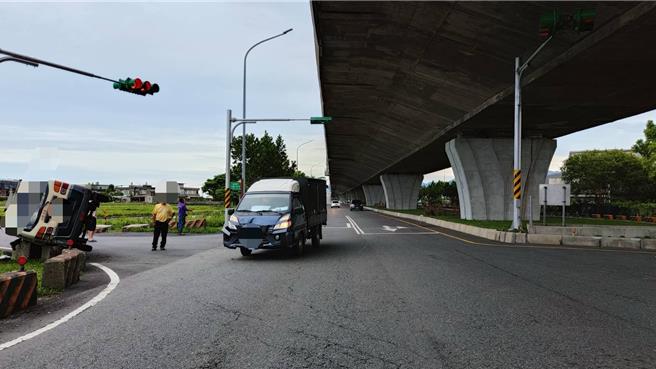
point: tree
(615, 173)
(647, 149)
(437, 192)
(265, 158)
(215, 187)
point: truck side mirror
(231, 211)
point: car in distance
(356, 205)
(334, 204)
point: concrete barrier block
(17, 292)
(76, 264)
(520, 238)
(648, 244)
(582, 241)
(544, 239)
(620, 243)
(54, 273)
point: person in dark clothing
(182, 214)
(91, 219)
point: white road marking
(113, 282)
(387, 233)
(348, 225)
(392, 229)
(357, 228)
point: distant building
(136, 193)
(555, 178)
(8, 186)
(189, 193)
(98, 187)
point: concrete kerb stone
(648, 244)
(544, 239)
(620, 243)
(63, 270)
(582, 241)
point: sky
(55, 124)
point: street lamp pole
(517, 149)
(243, 112)
(298, 147)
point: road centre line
(357, 228)
(113, 282)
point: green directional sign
(320, 120)
(235, 186)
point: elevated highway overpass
(415, 87)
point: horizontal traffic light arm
(143, 88)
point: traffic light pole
(35, 62)
(517, 154)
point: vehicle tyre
(245, 252)
(299, 246)
(316, 237)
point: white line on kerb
(113, 282)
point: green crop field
(119, 215)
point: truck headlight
(283, 223)
(233, 221)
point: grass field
(37, 266)
(119, 215)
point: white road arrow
(392, 229)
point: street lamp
(243, 112)
(298, 147)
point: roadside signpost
(556, 195)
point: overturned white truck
(48, 216)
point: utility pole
(517, 152)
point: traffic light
(549, 23)
(136, 86)
(581, 21)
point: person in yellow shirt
(162, 214)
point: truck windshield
(264, 202)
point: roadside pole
(227, 194)
(517, 147)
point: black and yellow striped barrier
(226, 199)
(517, 184)
(17, 292)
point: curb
(616, 243)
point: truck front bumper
(274, 240)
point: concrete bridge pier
(483, 170)
(401, 190)
(373, 194)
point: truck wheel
(245, 252)
(299, 246)
(316, 237)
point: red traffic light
(136, 86)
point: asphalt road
(378, 293)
